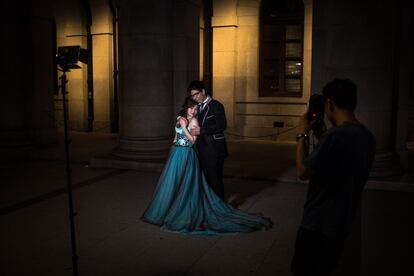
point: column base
(24, 138)
(148, 154)
(386, 164)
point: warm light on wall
(236, 70)
(71, 30)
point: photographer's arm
(301, 149)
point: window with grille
(281, 48)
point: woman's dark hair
(188, 103)
(343, 92)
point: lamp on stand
(67, 58)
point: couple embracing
(189, 194)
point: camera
(316, 111)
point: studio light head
(67, 57)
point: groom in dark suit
(211, 143)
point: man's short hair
(343, 92)
(196, 85)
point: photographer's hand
(304, 126)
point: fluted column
(146, 83)
(26, 109)
(13, 130)
(158, 57)
(41, 108)
(186, 55)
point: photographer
(338, 170)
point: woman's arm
(183, 124)
(194, 124)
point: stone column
(224, 24)
(157, 59)
(41, 108)
(71, 30)
(405, 81)
(13, 123)
(349, 42)
(145, 79)
(186, 59)
(26, 111)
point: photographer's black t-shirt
(341, 165)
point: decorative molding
(223, 22)
(267, 115)
(284, 103)
(224, 26)
(81, 35)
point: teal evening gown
(183, 201)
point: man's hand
(195, 131)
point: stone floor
(111, 240)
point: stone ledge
(224, 21)
(393, 186)
(402, 184)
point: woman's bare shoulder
(194, 121)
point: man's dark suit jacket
(211, 141)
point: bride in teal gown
(184, 202)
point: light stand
(72, 214)
(67, 58)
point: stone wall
(236, 79)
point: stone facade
(161, 49)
